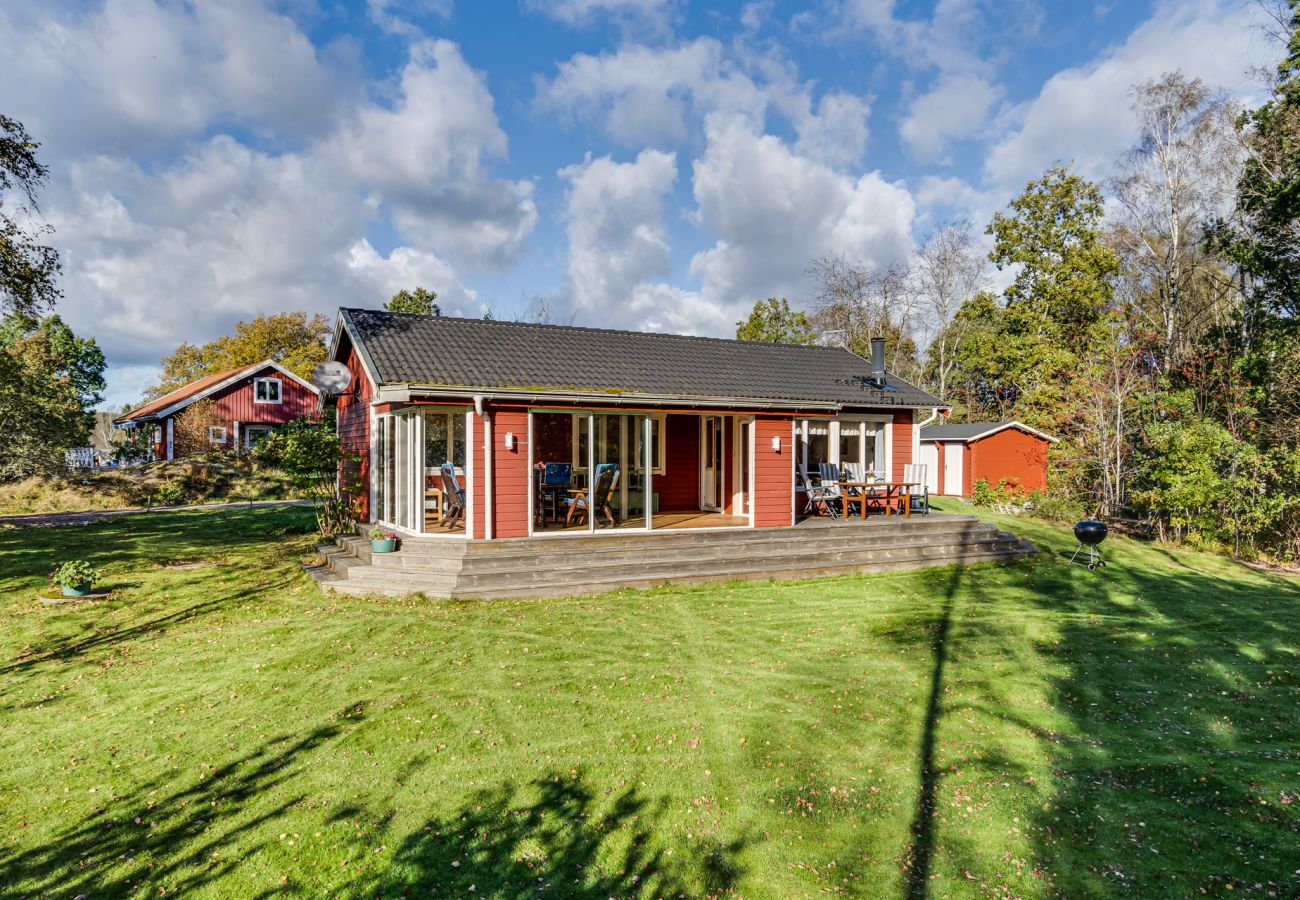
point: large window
(859, 443)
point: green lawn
(1030, 730)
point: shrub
(75, 573)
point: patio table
(877, 490)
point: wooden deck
(587, 563)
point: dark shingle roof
(969, 430)
(476, 353)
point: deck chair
(820, 499)
(830, 476)
(454, 495)
(553, 480)
(916, 472)
(603, 494)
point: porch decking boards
(573, 564)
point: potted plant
(76, 577)
(382, 541)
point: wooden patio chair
(606, 482)
(453, 495)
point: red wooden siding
(1011, 454)
(478, 490)
(679, 486)
(237, 403)
(902, 442)
(510, 474)
(353, 423)
(773, 473)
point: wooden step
(569, 565)
(691, 568)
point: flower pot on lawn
(383, 545)
(77, 590)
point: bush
(984, 494)
(168, 494)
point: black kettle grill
(1090, 534)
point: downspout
(487, 465)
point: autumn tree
(190, 433)
(295, 340)
(28, 268)
(949, 270)
(418, 301)
(858, 302)
(772, 321)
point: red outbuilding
(958, 456)
(248, 404)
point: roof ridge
(558, 327)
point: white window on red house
(216, 434)
(266, 390)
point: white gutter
(934, 414)
(487, 465)
(399, 393)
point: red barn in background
(958, 456)
(248, 403)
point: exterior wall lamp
(510, 440)
(776, 443)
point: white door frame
(712, 478)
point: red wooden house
(248, 403)
(958, 456)
(524, 460)
(699, 431)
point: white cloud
(641, 95)
(134, 75)
(1083, 115)
(957, 106)
(181, 244)
(652, 14)
(615, 221)
(426, 152)
(775, 211)
(394, 16)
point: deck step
(570, 565)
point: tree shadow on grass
(556, 836)
(161, 837)
(1183, 691)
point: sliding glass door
(591, 471)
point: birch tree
(1176, 178)
(949, 270)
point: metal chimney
(878, 360)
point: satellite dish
(331, 377)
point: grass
(1031, 729)
(159, 483)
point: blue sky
(638, 163)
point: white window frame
(883, 426)
(279, 390)
(217, 434)
(250, 430)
